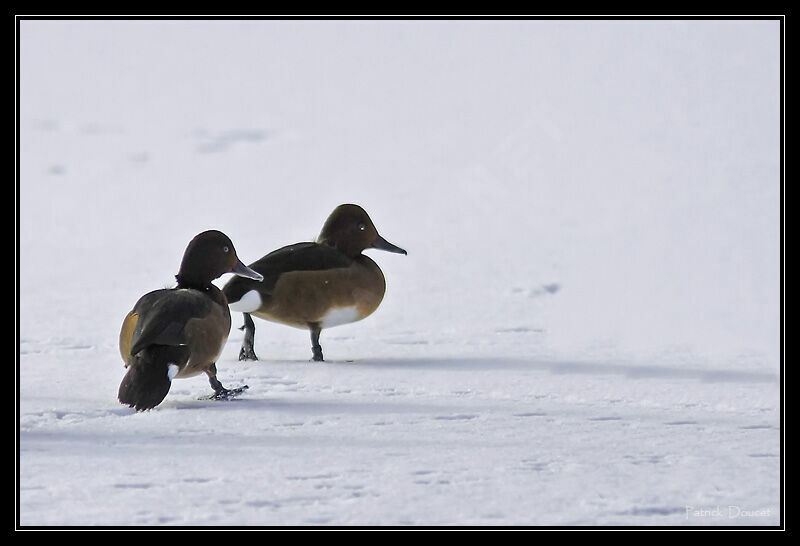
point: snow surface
(586, 328)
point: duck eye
(225, 249)
(362, 226)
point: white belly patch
(340, 315)
(250, 302)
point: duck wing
(296, 257)
(163, 316)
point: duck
(179, 332)
(315, 285)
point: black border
(19, 18)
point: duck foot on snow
(221, 393)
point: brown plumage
(180, 332)
(315, 285)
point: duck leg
(248, 351)
(316, 348)
(220, 392)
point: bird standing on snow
(315, 285)
(180, 332)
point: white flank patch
(339, 315)
(172, 371)
(248, 303)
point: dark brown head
(350, 230)
(209, 256)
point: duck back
(170, 333)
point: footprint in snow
(756, 427)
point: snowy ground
(585, 330)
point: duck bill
(244, 271)
(382, 244)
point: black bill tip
(382, 244)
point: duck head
(350, 230)
(209, 256)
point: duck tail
(150, 375)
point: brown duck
(315, 285)
(180, 332)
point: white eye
(225, 249)
(362, 227)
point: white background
(586, 327)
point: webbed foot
(225, 394)
(220, 392)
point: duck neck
(195, 272)
(351, 251)
(189, 281)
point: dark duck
(179, 332)
(315, 285)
